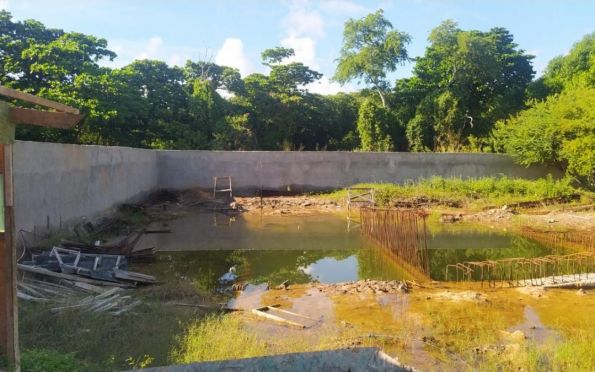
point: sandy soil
(287, 205)
(543, 219)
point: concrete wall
(310, 170)
(65, 182)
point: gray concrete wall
(63, 182)
(311, 170)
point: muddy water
(301, 249)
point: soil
(287, 205)
(543, 216)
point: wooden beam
(61, 120)
(16, 94)
(9, 342)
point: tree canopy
(371, 49)
(471, 90)
(559, 128)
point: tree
(220, 77)
(34, 57)
(558, 131)
(233, 132)
(371, 48)
(150, 104)
(373, 126)
(464, 83)
(576, 69)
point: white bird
(229, 276)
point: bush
(559, 131)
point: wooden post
(63, 117)
(9, 343)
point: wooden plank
(60, 120)
(26, 97)
(76, 278)
(263, 312)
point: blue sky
(234, 32)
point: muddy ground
(433, 326)
(557, 217)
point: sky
(235, 32)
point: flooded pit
(272, 249)
(325, 248)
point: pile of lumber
(65, 295)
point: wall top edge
(268, 151)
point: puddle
(534, 329)
(324, 248)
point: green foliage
(480, 192)
(150, 104)
(558, 131)
(371, 49)
(464, 83)
(373, 126)
(576, 69)
(217, 338)
(233, 132)
(43, 360)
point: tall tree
(471, 79)
(576, 69)
(371, 49)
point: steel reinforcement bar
(522, 271)
(400, 232)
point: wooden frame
(64, 117)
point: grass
(142, 338)
(470, 193)
(458, 328)
(44, 360)
(217, 337)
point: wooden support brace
(15, 94)
(60, 120)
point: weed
(217, 337)
(45, 360)
(473, 192)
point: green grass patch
(217, 337)
(473, 192)
(45, 360)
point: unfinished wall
(63, 182)
(308, 171)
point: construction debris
(67, 295)
(525, 271)
(284, 317)
(89, 243)
(99, 267)
(401, 234)
(582, 239)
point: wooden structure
(63, 117)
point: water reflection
(272, 249)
